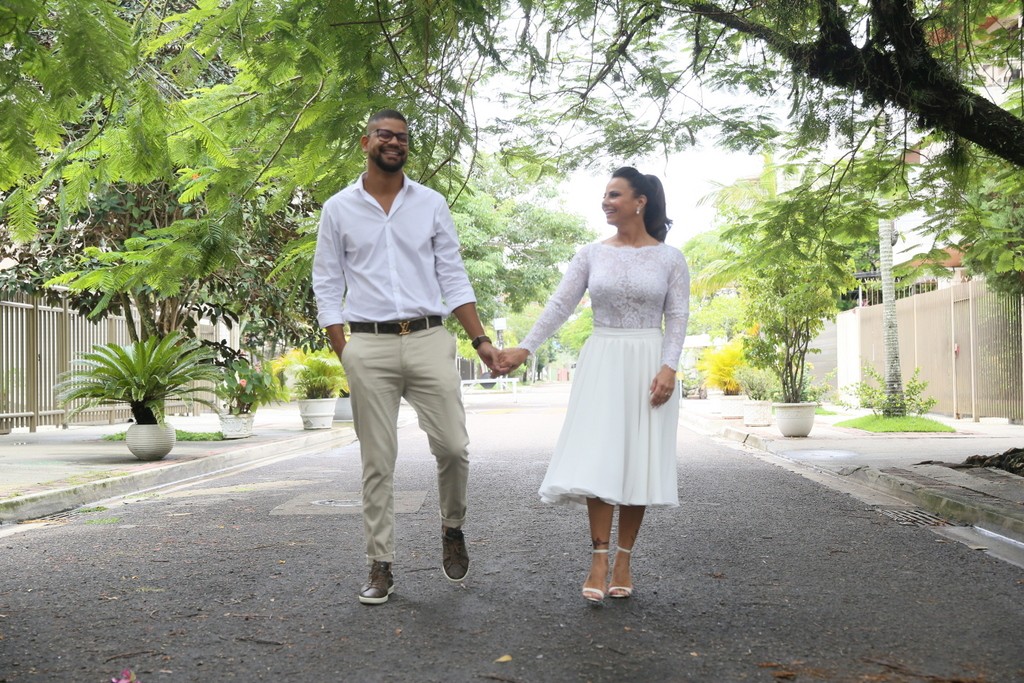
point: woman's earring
(638, 211)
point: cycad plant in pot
(143, 375)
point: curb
(955, 502)
(45, 503)
(946, 500)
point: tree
(895, 405)
(217, 131)
(835, 60)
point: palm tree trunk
(895, 406)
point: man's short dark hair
(386, 114)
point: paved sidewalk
(55, 470)
(989, 498)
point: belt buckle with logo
(403, 327)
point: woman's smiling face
(620, 201)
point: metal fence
(38, 343)
(967, 342)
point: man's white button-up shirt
(372, 266)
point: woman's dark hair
(655, 220)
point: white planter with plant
(143, 375)
(795, 419)
(319, 379)
(151, 442)
(760, 386)
(245, 388)
(719, 367)
(343, 409)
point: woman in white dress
(618, 444)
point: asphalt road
(759, 575)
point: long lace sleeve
(677, 313)
(562, 303)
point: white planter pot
(236, 426)
(731, 406)
(794, 419)
(150, 442)
(317, 413)
(757, 413)
(343, 409)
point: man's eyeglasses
(385, 135)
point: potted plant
(143, 375)
(317, 379)
(760, 387)
(719, 366)
(244, 388)
(790, 307)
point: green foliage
(757, 383)
(720, 367)
(143, 374)
(874, 397)
(577, 330)
(320, 378)
(720, 316)
(312, 374)
(793, 265)
(880, 424)
(179, 435)
(836, 66)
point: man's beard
(378, 159)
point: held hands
(489, 354)
(501, 362)
(662, 386)
(510, 359)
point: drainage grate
(58, 518)
(350, 503)
(913, 517)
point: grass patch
(85, 511)
(179, 434)
(824, 411)
(103, 520)
(880, 424)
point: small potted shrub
(719, 367)
(760, 387)
(317, 379)
(244, 388)
(143, 375)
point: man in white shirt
(387, 263)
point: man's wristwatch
(480, 340)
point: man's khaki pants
(382, 369)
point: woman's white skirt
(614, 445)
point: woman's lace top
(629, 288)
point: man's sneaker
(380, 585)
(455, 562)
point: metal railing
(967, 342)
(37, 343)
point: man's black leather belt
(397, 326)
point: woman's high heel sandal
(594, 595)
(621, 591)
